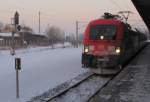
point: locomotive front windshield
(103, 32)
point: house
(34, 39)
(22, 39)
(6, 40)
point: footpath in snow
(41, 70)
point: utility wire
(116, 4)
(127, 5)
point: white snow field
(41, 71)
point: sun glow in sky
(62, 13)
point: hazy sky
(62, 13)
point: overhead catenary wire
(120, 8)
(127, 5)
(116, 4)
(129, 8)
(126, 8)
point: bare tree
(54, 35)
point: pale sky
(62, 13)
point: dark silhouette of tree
(55, 35)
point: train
(108, 44)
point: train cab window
(103, 32)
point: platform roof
(143, 7)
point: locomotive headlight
(86, 50)
(101, 37)
(118, 50)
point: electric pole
(39, 22)
(77, 38)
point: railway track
(80, 89)
(69, 88)
(60, 89)
(84, 91)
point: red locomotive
(108, 44)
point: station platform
(132, 84)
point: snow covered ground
(42, 69)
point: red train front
(109, 43)
(102, 45)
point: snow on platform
(41, 70)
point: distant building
(6, 40)
(34, 39)
(22, 39)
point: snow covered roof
(8, 35)
(1, 39)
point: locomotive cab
(103, 46)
